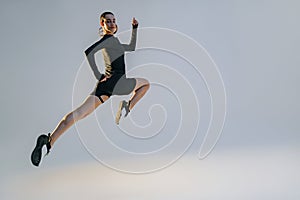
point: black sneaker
(123, 104)
(36, 155)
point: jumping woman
(113, 82)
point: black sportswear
(114, 81)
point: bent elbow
(87, 52)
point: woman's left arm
(131, 46)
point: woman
(113, 82)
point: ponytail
(100, 32)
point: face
(109, 25)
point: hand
(98, 75)
(101, 77)
(135, 22)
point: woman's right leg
(88, 106)
(141, 87)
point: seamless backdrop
(255, 45)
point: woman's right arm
(90, 54)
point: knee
(69, 118)
(142, 85)
(74, 116)
(78, 115)
(146, 84)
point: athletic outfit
(114, 81)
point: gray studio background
(255, 45)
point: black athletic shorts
(117, 84)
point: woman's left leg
(141, 87)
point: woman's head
(108, 23)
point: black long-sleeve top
(113, 53)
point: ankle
(128, 105)
(51, 141)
